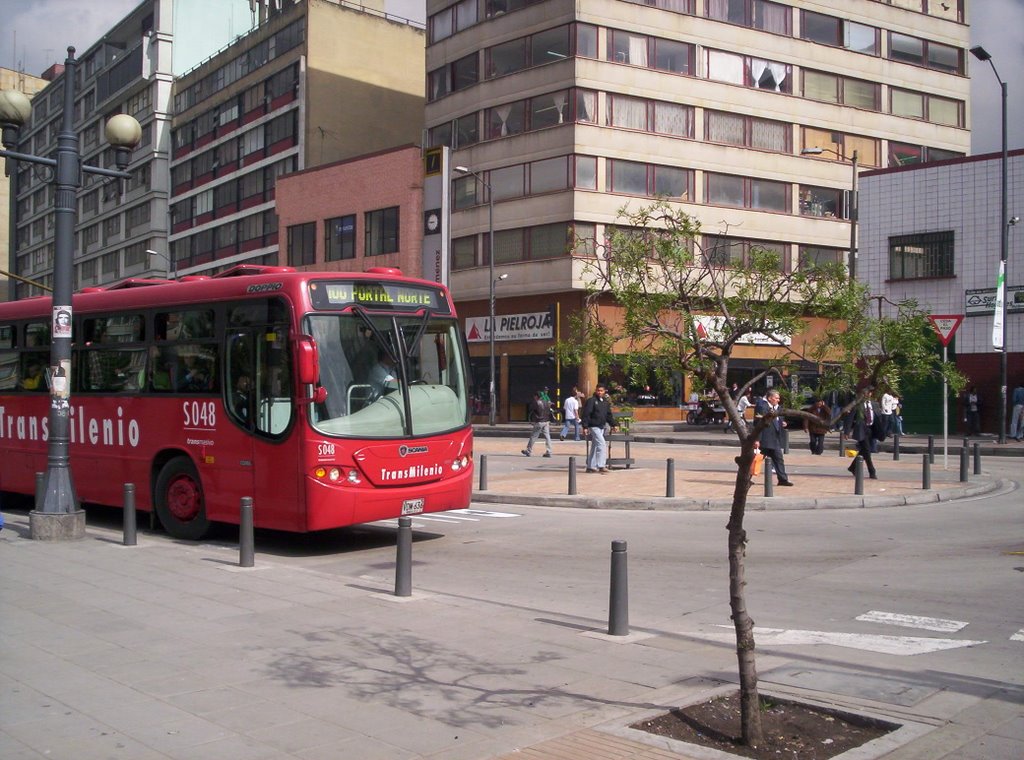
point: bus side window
(196, 370)
(8, 370)
(32, 372)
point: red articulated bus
(330, 398)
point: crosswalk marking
(912, 621)
(1018, 636)
(452, 516)
(903, 646)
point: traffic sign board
(945, 325)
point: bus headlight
(459, 463)
(353, 476)
(332, 474)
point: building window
(676, 6)
(919, 52)
(757, 14)
(650, 52)
(340, 238)
(649, 115)
(633, 178)
(832, 88)
(829, 30)
(746, 192)
(464, 252)
(821, 201)
(817, 257)
(837, 146)
(920, 105)
(722, 251)
(548, 46)
(758, 73)
(901, 154)
(302, 244)
(551, 109)
(921, 256)
(381, 231)
(748, 131)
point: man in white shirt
(888, 403)
(571, 408)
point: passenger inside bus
(241, 397)
(156, 376)
(198, 375)
(33, 379)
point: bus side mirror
(308, 359)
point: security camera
(1013, 220)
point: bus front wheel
(179, 501)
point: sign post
(945, 326)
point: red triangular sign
(945, 326)
(474, 333)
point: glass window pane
(549, 46)
(943, 111)
(508, 246)
(820, 28)
(857, 92)
(467, 130)
(506, 58)
(769, 135)
(769, 196)
(672, 56)
(586, 41)
(820, 201)
(866, 147)
(507, 182)
(906, 103)
(586, 172)
(771, 17)
(724, 190)
(464, 252)
(673, 119)
(943, 57)
(671, 182)
(860, 38)
(725, 127)
(628, 177)
(627, 112)
(901, 154)
(548, 110)
(465, 72)
(549, 241)
(548, 175)
(905, 48)
(725, 67)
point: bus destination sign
(378, 295)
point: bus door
(259, 400)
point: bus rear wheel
(179, 500)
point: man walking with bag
(540, 416)
(771, 437)
(597, 413)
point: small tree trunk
(750, 713)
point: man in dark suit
(858, 427)
(771, 437)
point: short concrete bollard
(963, 463)
(40, 490)
(785, 441)
(572, 476)
(842, 443)
(618, 595)
(670, 478)
(931, 449)
(403, 562)
(858, 476)
(128, 517)
(926, 472)
(977, 459)
(483, 472)
(896, 447)
(246, 536)
(768, 486)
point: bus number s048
(200, 414)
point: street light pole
(172, 270)
(492, 283)
(983, 55)
(59, 516)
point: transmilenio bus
(330, 398)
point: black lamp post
(854, 202)
(983, 55)
(59, 516)
(491, 279)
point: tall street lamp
(854, 202)
(999, 321)
(172, 271)
(60, 516)
(490, 278)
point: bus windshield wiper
(384, 344)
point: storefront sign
(533, 326)
(981, 302)
(710, 328)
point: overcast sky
(44, 29)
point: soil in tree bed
(791, 730)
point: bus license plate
(412, 506)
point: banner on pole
(998, 334)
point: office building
(568, 111)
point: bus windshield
(389, 375)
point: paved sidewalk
(169, 650)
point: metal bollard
(785, 441)
(931, 449)
(842, 443)
(768, 477)
(628, 457)
(618, 596)
(963, 464)
(40, 491)
(572, 476)
(926, 473)
(977, 459)
(483, 472)
(246, 540)
(858, 475)
(403, 563)
(670, 478)
(128, 517)
(896, 447)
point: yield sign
(945, 326)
